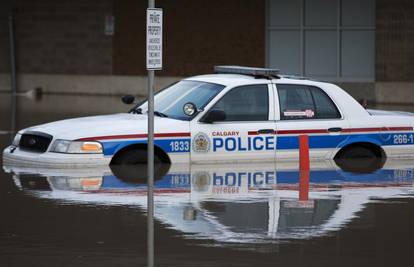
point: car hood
(107, 125)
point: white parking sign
(154, 38)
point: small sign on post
(154, 39)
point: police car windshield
(171, 100)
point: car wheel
(360, 165)
(135, 156)
(359, 159)
(138, 173)
(357, 152)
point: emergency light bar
(256, 72)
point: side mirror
(128, 99)
(214, 115)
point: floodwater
(208, 215)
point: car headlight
(76, 147)
(16, 140)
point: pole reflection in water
(230, 204)
(138, 175)
(150, 223)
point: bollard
(304, 153)
(304, 168)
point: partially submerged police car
(237, 114)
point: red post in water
(304, 153)
(304, 167)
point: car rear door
(307, 110)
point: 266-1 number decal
(401, 139)
(180, 146)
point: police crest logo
(201, 143)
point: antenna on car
(251, 71)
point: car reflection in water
(232, 203)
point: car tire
(359, 159)
(358, 152)
(360, 165)
(138, 173)
(134, 156)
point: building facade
(98, 46)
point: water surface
(218, 215)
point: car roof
(240, 79)
(346, 103)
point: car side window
(245, 103)
(298, 102)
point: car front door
(241, 130)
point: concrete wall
(85, 84)
(67, 36)
(394, 93)
(395, 40)
(198, 34)
(4, 47)
(61, 45)
(394, 52)
(360, 91)
(5, 9)
(62, 37)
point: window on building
(325, 39)
(245, 103)
(298, 102)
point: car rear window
(298, 102)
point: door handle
(334, 129)
(266, 131)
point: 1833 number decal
(180, 146)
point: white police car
(237, 114)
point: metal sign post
(154, 62)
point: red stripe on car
(349, 130)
